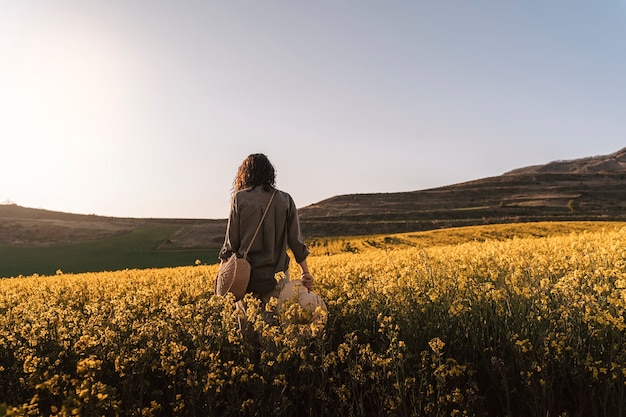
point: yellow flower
(436, 345)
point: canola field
(516, 320)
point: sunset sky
(146, 108)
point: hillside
(585, 189)
(503, 199)
(612, 163)
(44, 242)
(588, 189)
(37, 227)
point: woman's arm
(305, 275)
(232, 238)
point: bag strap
(245, 254)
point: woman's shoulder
(283, 194)
(285, 200)
(261, 195)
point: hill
(587, 189)
(44, 242)
(592, 188)
(612, 163)
(37, 227)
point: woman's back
(279, 230)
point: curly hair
(255, 170)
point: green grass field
(137, 249)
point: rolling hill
(586, 189)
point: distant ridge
(24, 226)
(587, 189)
(591, 188)
(613, 163)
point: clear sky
(137, 108)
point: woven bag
(234, 274)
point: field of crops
(527, 320)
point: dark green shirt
(280, 229)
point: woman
(252, 189)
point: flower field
(532, 325)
